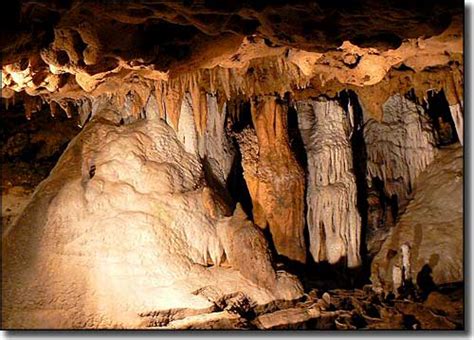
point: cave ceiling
(79, 49)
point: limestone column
(333, 219)
(274, 178)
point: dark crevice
(359, 164)
(236, 184)
(299, 150)
(441, 119)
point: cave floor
(337, 309)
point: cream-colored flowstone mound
(427, 242)
(124, 231)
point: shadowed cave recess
(232, 165)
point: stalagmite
(397, 279)
(123, 232)
(456, 113)
(405, 249)
(399, 147)
(274, 178)
(333, 219)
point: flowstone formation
(398, 149)
(426, 243)
(126, 230)
(333, 219)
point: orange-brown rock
(275, 180)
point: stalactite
(199, 105)
(333, 219)
(214, 144)
(172, 99)
(186, 127)
(84, 110)
(274, 178)
(456, 114)
(53, 108)
(132, 106)
(152, 106)
(261, 77)
(399, 147)
(31, 105)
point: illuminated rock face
(399, 147)
(431, 228)
(333, 219)
(125, 228)
(274, 178)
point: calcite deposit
(232, 164)
(275, 180)
(121, 239)
(427, 241)
(333, 220)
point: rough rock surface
(431, 228)
(399, 148)
(87, 49)
(123, 232)
(333, 219)
(274, 179)
(337, 310)
(102, 26)
(134, 227)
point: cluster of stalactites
(213, 146)
(399, 147)
(333, 219)
(272, 75)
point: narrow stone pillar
(274, 178)
(333, 219)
